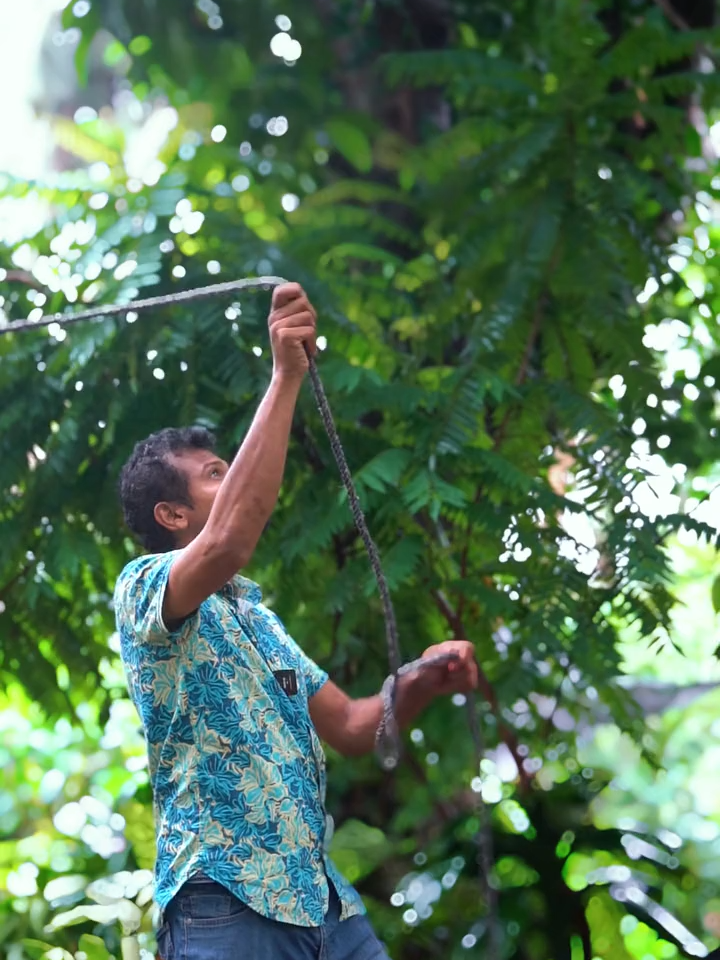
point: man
(233, 711)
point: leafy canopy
(475, 202)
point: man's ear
(172, 516)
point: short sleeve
(139, 596)
(315, 676)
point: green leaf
(123, 911)
(360, 251)
(82, 57)
(130, 948)
(716, 594)
(90, 25)
(401, 561)
(384, 470)
(36, 949)
(418, 492)
(140, 45)
(352, 143)
(407, 178)
(106, 891)
(472, 68)
(114, 54)
(363, 191)
(98, 914)
(66, 885)
(357, 849)
(94, 947)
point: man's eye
(216, 472)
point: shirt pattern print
(237, 769)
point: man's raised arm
(249, 491)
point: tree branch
(673, 16)
(507, 735)
(7, 587)
(535, 326)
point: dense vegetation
(490, 205)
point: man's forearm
(250, 490)
(364, 715)
(350, 726)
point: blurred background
(506, 214)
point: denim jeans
(206, 922)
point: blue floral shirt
(237, 769)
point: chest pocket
(287, 681)
(268, 639)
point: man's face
(204, 471)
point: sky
(26, 142)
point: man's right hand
(293, 330)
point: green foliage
(716, 595)
(478, 213)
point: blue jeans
(206, 922)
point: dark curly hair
(149, 477)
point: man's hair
(150, 477)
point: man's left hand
(456, 676)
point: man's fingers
(285, 293)
(459, 674)
(309, 338)
(299, 305)
(296, 332)
(464, 670)
(305, 318)
(301, 334)
(463, 654)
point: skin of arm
(248, 493)
(349, 726)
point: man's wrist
(413, 695)
(287, 380)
